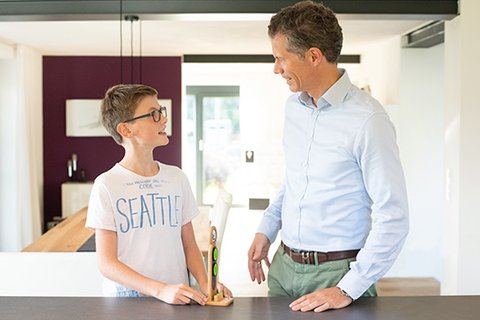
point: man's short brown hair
(120, 103)
(306, 25)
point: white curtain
(29, 146)
(8, 101)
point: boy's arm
(194, 257)
(112, 268)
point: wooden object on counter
(215, 298)
(67, 236)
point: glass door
(215, 113)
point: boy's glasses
(156, 114)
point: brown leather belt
(308, 257)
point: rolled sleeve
(272, 218)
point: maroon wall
(88, 78)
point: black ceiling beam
(228, 58)
(250, 58)
(426, 36)
(37, 10)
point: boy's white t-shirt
(147, 213)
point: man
(342, 210)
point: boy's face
(147, 132)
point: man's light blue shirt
(344, 186)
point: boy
(141, 209)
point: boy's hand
(223, 289)
(180, 294)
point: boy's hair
(306, 25)
(120, 103)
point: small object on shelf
(74, 166)
(56, 220)
(82, 177)
(74, 162)
(70, 170)
(215, 298)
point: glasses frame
(162, 113)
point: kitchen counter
(68, 236)
(384, 308)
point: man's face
(290, 66)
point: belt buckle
(306, 256)
(290, 253)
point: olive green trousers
(292, 279)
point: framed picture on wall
(83, 117)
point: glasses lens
(156, 115)
(163, 110)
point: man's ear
(315, 55)
(124, 130)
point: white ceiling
(185, 36)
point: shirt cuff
(354, 285)
(267, 228)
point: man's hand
(258, 251)
(180, 294)
(321, 300)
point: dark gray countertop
(88, 246)
(385, 308)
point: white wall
(53, 274)
(380, 69)
(409, 83)
(8, 102)
(462, 152)
(6, 51)
(452, 157)
(420, 137)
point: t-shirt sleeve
(190, 208)
(100, 211)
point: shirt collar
(334, 95)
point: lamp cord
(130, 18)
(141, 65)
(121, 41)
(131, 51)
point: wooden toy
(215, 298)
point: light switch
(249, 155)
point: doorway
(214, 139)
